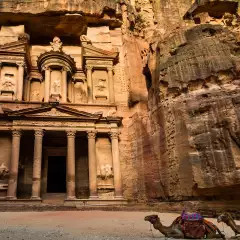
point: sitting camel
(227, 218)
(173, 231)
(176, 230)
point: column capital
(92, 134)
(114, 135)
(20, 64)
(38, 132)
(45, 68)
(16, 133)
(89, 67)
(71, 134)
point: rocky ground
(84, 225)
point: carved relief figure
(8, 83)
(80, 92)
(106, 171)
(56, 44)
(101, 85)
(4, 172)
(56, 86)
(8, 86)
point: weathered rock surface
(194, 109)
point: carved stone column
(92, 162)
(1, 70)
(13, 176)
(20, 81)
(90, 84)
(111, 85)
(47, 84)
(28, 90)
(37, 164)
(116, 165)
(64, 85)
(71, 195)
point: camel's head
(152, 218)
(224, 217)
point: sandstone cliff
(179, 67)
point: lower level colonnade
(71, 178)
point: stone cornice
(58, 112)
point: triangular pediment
(54, 112)
(91, 51)
(14, 47)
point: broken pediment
(89, 51)
(53, 111)
(14, 47)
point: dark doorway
(56, 182)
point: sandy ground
(85, 225)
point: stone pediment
(91, 51)
(54, 112)
(14, 47)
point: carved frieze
(59, 124)
(93, 63)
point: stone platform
(95, 202)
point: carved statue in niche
(56, 44)
(56, 86)
(80, 92)
(4, 172)
(105, 172)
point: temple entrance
(56, 177)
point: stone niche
(100, 86)
(78, 88)
(104, 168)
(5, 156)
(8, 82)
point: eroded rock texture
(194, 102)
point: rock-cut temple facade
(105, 102)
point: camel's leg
(214, 235)
(177, 233)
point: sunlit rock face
(194, 105)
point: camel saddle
(192, 225)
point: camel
(227, 219)
(175, 230)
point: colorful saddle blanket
(191, 216)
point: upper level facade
(79, 74)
